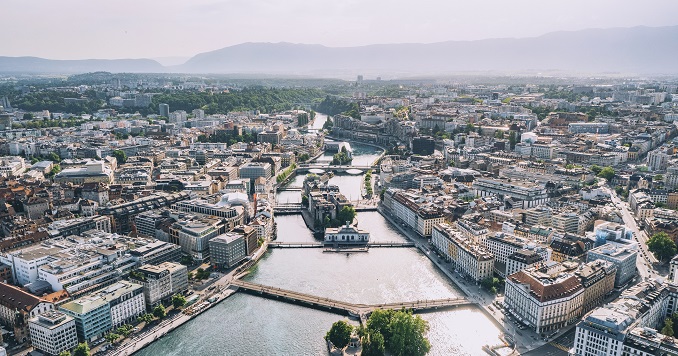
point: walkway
(359, 310)
(277, 244)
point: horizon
(177, 29)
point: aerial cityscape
(454, 189)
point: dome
(233, 198)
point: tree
(596, 169)
(178, 301)
(408, 337)
(120, 156)
(668, 327)
(513, 139)
(662, 246)
(658, 177)
(159, 312)
(380, 321)
(606, 173)
(346, 213)
(145, 318)
(340, 334)
(111, 337)
(81, 350)
(54, 157)
(65, 353)
(373, 344)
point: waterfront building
(468, 257)
(53, 332)
(227, 250)
(156, 282)
(347, 234)
(178, 277)
(92, 316)
(126, 302)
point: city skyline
(178, 29)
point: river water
(250, 325)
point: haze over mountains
(637, 50)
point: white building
(469, 258)
(126, 301)
(346, 235)
(53, 332)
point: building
(520, 260)
(623, 257)
(469, 258)
(194, 235)
(525, 194)
(227, 250)
(93, 172)
(178, 277)
(156, 252)
(163, 110)
(254, 170)
(53, 332)
(17, 307)
(347, 234)
(251, 235)
(156, 282)
(92, 316)
(125, 300)
(423, 145)
(601, 332)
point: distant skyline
(80, 29)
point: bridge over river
(338, 306)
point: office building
(227, 250)
(622, 256)
(53, 332)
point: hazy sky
(75, 29)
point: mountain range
(635, 50)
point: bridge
(307, 167)
(289, 189)
(279, 244)
(340, 307)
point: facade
(347, 234)
(601, 332)
(92, 316)
(53, 332)
(178, 277)
(126, 302)
(156, 282)
(254, 170)
(227, 250)
(469, 258)
(623, 257)
(521, 260)
(526, 194)
(17, 306)
(194, 235)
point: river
(251, 325)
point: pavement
(525, 340)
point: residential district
(126, 200)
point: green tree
(373, 344)
(380, 321)
(65, 353)
(81, 350)
(513, 139)
(54, 157)
(662, 246)
(145, 318)
(668, 327)
(346, 213)
(606, 173)
(340, 334)
(111, 337)
(658, 177)
(178, 301)
(120, 156)
(409, 335)
(159, 312)
(596, 169)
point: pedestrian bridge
(279, 244)
(338, 306)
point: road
(646, 260)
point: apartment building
(525, 194)
(469, 258)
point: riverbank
(482, 299)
